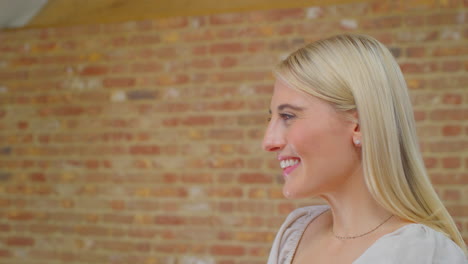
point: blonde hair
(356, 72)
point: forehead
(283, 93)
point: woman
(342, 127)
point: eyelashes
(286, 116)
(283, 116)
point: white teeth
(288, 163)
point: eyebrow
(293, 107)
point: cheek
(316, 139)
(322, 147)
(303, 137)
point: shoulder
(414, 243)
(290, 232)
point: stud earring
(357, 142)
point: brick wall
(140, 142)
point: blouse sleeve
(415, 244)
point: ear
(357, 139)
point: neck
(353, 209)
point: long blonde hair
(356, 72)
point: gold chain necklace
(361, 235)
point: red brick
(146, 67)
(23, 125)
(452, 66)
(409, 68)
(444, 19)
(141, 95)
(452, 195)
(5, 227)
(446, 82)
(229, 105)
(94, 70)
(382, 22)
(414, 20)
(170, 220)
(114, 245)
(4, 253)
(451, 162)
(117, 218)
(449, 114)
(452, 130)
(416, 52)
(24, 61)
(62, 111)
(410, 36)
(12, 76)
(450, 51)
(227, 62)
(227, 250)
(430, 162)
(199, 50)
(276, 15)
(241, 76)
(171, 79)
(91, 230)
(235, 47)
(447, 146)
(144, 233)
(256, 46)
(454, 99)
(416, 83)
(197, 178)
(119, 82)
(168, 192)
(199, 35)
(232, 192)
(144, 40)
(19, 241)
(254, 236)
(255, 178)
(37, 177)
(458, 210)
(60, 60)
(21, 216)
(202, 63)
(144, 150)
(226, 134)
(226, 207)
(117, 204)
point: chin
(297, 194)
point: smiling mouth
(288, 165)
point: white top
(412, 244)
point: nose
(273, 140)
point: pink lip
(288, 170)
(280, 158)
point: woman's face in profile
(313, 143)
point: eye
(286, 116)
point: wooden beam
(79, 12)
